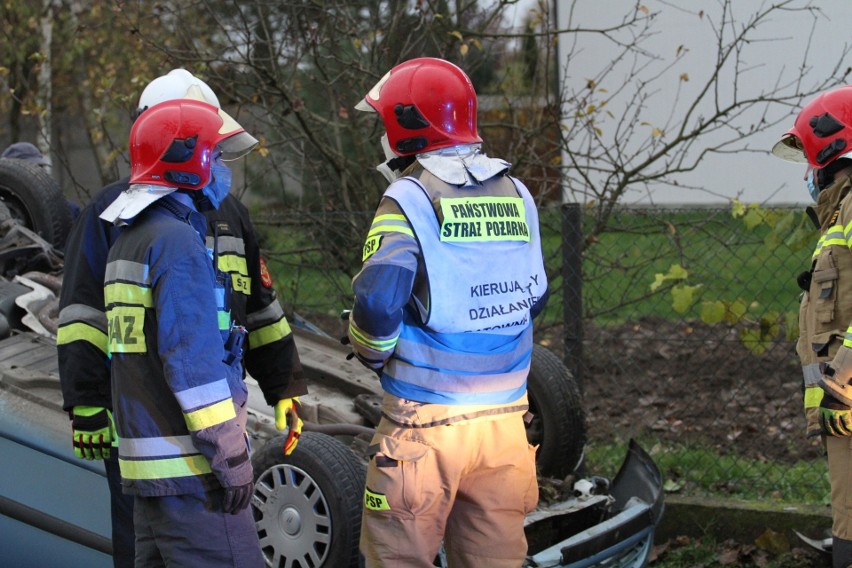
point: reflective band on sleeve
(232, 263)
(478, 219)
(160, 446)
(210, 415)
(81, 332)
(269, 334)
(834, 236)
(126, 330)
(811, 374)
(83, 313)
(813, 396)
(204, 395)
(119, 293)
(391, 223)
(374, 344)
(265, 316)
(164, 469)
(375, 501)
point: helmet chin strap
(394, 164)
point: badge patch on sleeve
(375, 501)
(371, 246)
(265, 277)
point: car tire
(558, 425)
(34, 198)
(307, 506)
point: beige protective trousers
(840, 474)
(462, 474)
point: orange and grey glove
(835, 418)
(287, 416)
(93, 432)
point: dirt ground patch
(691, 382)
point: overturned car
(54, 508)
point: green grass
(695, 470)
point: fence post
(572, 290)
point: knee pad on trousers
(841, 552)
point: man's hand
(237, 498)
(835, 418)
(287, 416)
(93, 432)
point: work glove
(93, 432)
(287, 416)
(835, 418)
(237, 498)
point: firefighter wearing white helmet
(821, 139)
(175, 84)
(452, 277)
(84, 364)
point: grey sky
(782, 52)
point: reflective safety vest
(472, 340)
(179, 409)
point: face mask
(219, 186)
(813, 190)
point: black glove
(237, 498)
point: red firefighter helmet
(174, 143)
(822, 131)
(425, 104)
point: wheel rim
(292, 518)
(17, 208)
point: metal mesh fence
(679, 325)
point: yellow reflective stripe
(126, 326)
(374, 344)
(390, 229)
(164, 468)
(210, 415)
(389, 217)
(813, 396)
(81, 332)
(233, 263)
(269, 333)
(390, 223)
(375, 501)
(480, 219)
(834, 236)
(120, 293)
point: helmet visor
(790, 148)
(237, 142)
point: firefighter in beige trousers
(822, 138)
(449, 330)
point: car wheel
(558, 425)
(35, 199)
(307, 506)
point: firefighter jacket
(825, 311)
(452, 278)
(180, 410)
(271, 356)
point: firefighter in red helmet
(821, 138)
(449, 331)
(179, 399)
